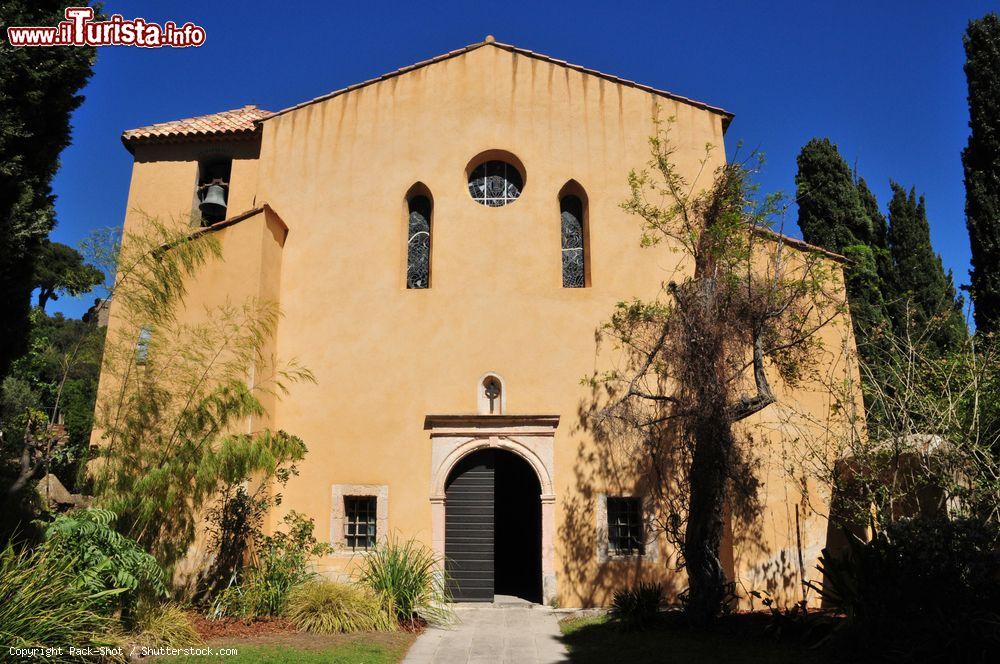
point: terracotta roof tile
(236, 121)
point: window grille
(359, 522)
(495, 183)
(625, 527)
(418, 243)
(572, 242)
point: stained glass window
(572, 241)
(418, 243)
(495, 183)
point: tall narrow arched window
(418, 238)
(572, 209)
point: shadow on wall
(607, 467)
(755, 565)
(653, 466)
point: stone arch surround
(531, 437)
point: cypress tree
(981, 161)
(880, 228)
(880, 247)
(931, 301)
(38, 92)
(831, 214)
(842, 215)
(864, 296)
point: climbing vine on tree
(702, 357)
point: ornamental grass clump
(42, 606)
(164, 626)
(408, 579)
(326, 607)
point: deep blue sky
(883, 80)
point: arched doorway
(493, 527)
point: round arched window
(495, 183)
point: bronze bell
(213, 205)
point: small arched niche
(574, 230)
(419, 219)
(491, 395)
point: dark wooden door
(468, 540)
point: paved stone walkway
(498, 633)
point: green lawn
(375, 648)
(592, 640)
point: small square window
(359, 522)
(625, 528)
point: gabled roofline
(727, 117)
(801, 245)
(263, 207)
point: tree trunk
(703, 537)
(712, 437)
(26, 471)
(44, 295)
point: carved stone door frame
(532, 437)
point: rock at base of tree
(55, 495)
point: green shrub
(164, 625)
(922, 589)
(42, 606)
(408, 580)
(638, 607)
(256, 597)
(235, 525)
(325, 607)
(237, 601)
(104, 560)
(281, 564)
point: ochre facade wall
(385, 357)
